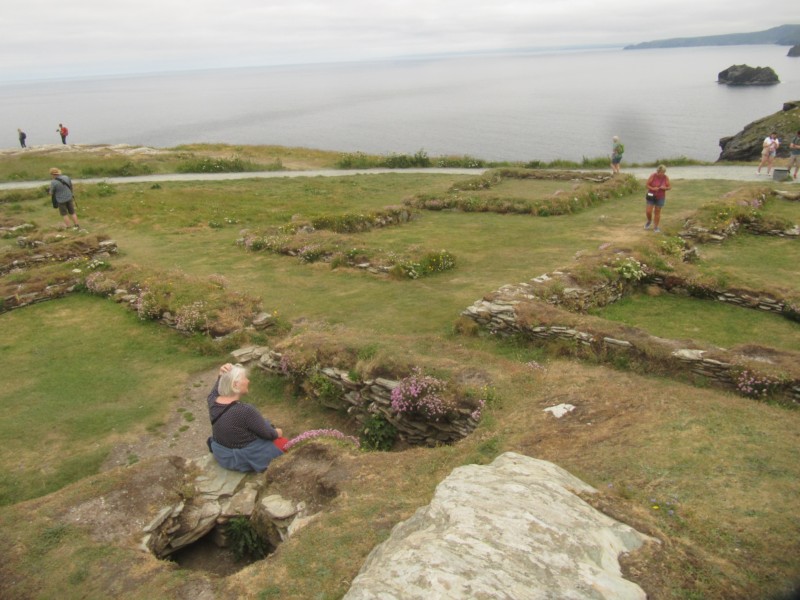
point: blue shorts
(615, 160)
(657, 202)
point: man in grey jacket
(63, 198)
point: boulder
(747, 75)
(512, 529)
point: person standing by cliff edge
(769, 150)
(617, 150)
(22, 137)
(63, 132)
(794, 153)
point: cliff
(746, 145)
(785, 35)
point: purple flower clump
(753, 385)
(317, 433)
(420, 394)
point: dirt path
(184, 434)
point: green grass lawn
(85, 375)
(725, 325)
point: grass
(83, 374)
(703, 320)
(93, 381)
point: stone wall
(22, 298)
(362, 399)
(744, 298)
(694, 231)
(43, 257)
(217, 496)
(500, 316)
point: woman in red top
(657, 186)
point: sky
(47, 39)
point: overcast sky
(54, 38)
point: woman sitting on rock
(242, 439)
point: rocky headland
(746, 145)
(794, 50)
(784, 35)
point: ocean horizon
(542, 105)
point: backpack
(64, 131)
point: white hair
(229, 382)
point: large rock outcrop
(794, 51)
(512, 529)
(747, 75)
(746, 145)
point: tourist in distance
(63, 132)
(769, 150)
(617, 149)
(657, 185)
(242, 439)
(63, 197)
(22, 137)
(794, 153)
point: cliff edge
(746, 145)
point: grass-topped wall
(331, 239)
(503, 191)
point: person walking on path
(63, 198)
(657, 186)
(63, 132)
(769, 150)
(617, 149)
(794, 153)
(22, 137)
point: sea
(523, 106)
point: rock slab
(515, 529)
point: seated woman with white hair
(242, 439)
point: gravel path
(731, 173)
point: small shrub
(311, 253)
(148, 305)
(245, 540)
(105, 189)
(629, 268)
(377, 433)
(434, 262)
(325, 390)
(355, 160)
(125, 169)
(216, 165)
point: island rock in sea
(746, 145)
(747, 75)
(794, 50)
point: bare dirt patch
(184, 434)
